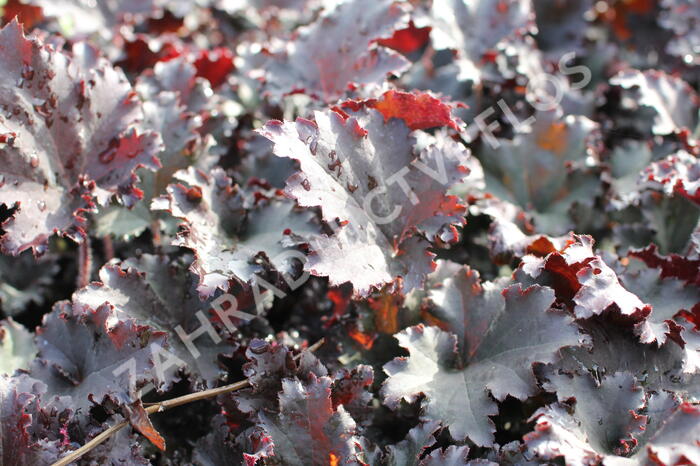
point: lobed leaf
(519, 334)
(68, 140)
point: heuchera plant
(359, 232)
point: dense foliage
(489, 210)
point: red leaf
(363, 339)
(407, 40)
(28, 15)
(138, 417)
(419, 110)
(140, 54)
(672, 265)
(386, 309)
(215, 65)
(340, 296)
(167, 23)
